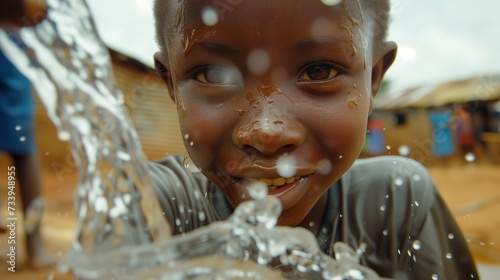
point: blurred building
(406, 115)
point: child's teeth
(275, 183)
(279, 181)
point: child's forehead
(194, 10)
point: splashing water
(120, 231)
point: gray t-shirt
(388, 203)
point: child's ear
(383, 60)
(164, 73)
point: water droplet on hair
(451, 236)
(449, 256)
(258, 61)
(209, 16)
(383, 208)
(385, 232)
(416, 245)
(191, 143)
(186, 136)
(434, 277)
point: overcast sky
(438, 40)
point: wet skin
(311, 103)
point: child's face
(273, 80)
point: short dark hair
(378, 10)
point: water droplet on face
(331, 2)
(18, 127)
(451, 236)
(209, 16)
(286, 166)
(416, 245)
(186, 162)
(258, 190)
(470, 157)
(404, 150)
(324, 166)
(258, 62)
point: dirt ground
(471, 190)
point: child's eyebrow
(317, 42)
(214, 46)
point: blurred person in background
(17, 107)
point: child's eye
(216, 75)
(318, 72)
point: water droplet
(449, 256)
(404, 150)
(434, 277)
(258, 61)
(286, 166)
(451, 236)
(311, 224)
(18, 127)
(209, 16)
(186, 162)
(382, 208)
(324, 166)
(470, 157)
(191, 143)
(186, 136)
(388, 147)
(201, 216)
(258, 190)
(385, 232)
(417, 245)
(341, 156)
(416, 178)
(331, 2)
(398, 181)
(22, 138)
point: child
(260, 83)
(16, 123)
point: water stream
(120, 232)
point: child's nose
(269, 133)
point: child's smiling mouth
(273, 184)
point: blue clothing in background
(442, 137)
(16, 110)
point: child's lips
(279, 186)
